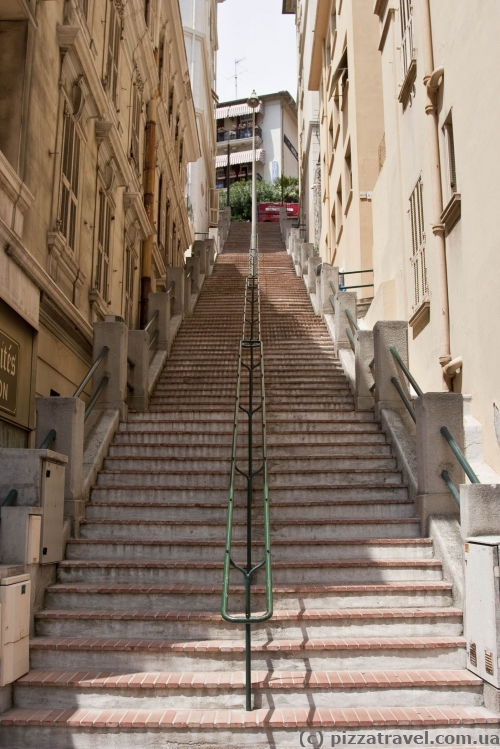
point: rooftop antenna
(236, 63)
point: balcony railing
(240, 134)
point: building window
(114, 36)
(406, 20)
(68, 200)
(103, 246)
(136, 128)
(420, 288)
(450, 153)
(348, 170)
(167, 231)
(84, 7)
(338, 209)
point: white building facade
(276, 139)
(199, 18)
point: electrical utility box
(52, 502)
(15, 595)
(482, 607)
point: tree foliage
(285, 189)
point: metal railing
(354, 325)
(464, 463)
(10, 498)
(351, 273)
(250, 365)
(154, 336)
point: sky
(257, 31)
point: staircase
(131, 650)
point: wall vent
(473, 654)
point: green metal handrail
(405, 369)
(10, 498)
(91, 371)
(357, 286)
(351, 339)
(332, 286)
(250, 348)
(130, 362)
(171, 287)
(190, 272)
(49, 439)
(451, 486)
(95, 396)
(352, 272)
(153, 338)
(405, 400)
(153, 318)
(351, 319)
(459, 455)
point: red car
(271, 211)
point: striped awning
(241, 157)
(236, 110)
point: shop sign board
(9, 373)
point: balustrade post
(434, 455)
(160, 301)
(324, 291)
(138, 376)
(306, 251)
(344, 300)
(177, 275)
(387, 333)
(67, 417)
(200, 250)
(194, 263)
(363, 356)
(112, 333)
(210, 248)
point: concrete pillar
(188, 284)
(67, 417)
(138, 353)
(293, 235)
(210, 245)
(312, 264)
(479, 510)
(200, 251)
(306, 251)
(344, 300)
(363, 356)
(194, 263)
(323, 288)
(161, 302)
(389, 333)
(177, 275)
(112, 333)
(434, 455)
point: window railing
(240, 134)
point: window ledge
(348, 204)
(420, 317)
(452, 212)
(406, 87)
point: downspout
(149, 201)
(432, 79)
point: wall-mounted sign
(9, 373)
(288, 144)
(275, 171)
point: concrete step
(202, 597)
(161, 494)
(208, 530)
(290, 655)
(290, 624)
(226, 689)
(347, 571)
(283, 550)
(306, 441)
(276, 466)
(211, 450)
(235, 729)
(217, 511)
(203, 478)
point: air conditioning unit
(482, 607)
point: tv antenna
(236, 63)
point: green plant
(285, 188)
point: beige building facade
(345, 70)
(97, 126)
(434, 204)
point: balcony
(240, 134)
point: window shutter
(103, 246)
(420, 288)
(113, 52)
(68, 200)
(214, 207)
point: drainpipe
(432, 79)
(149, 201)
